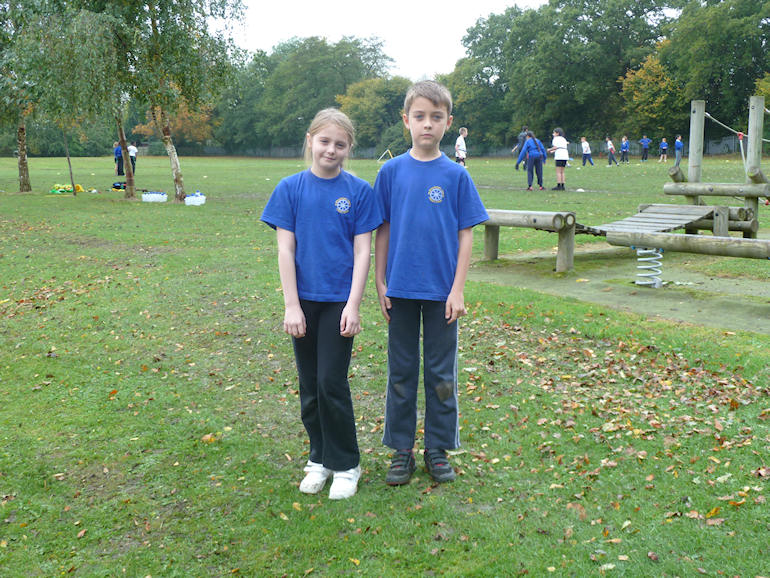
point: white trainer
(315, 478)
(345, 484)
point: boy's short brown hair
(435, 92)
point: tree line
(594, 67)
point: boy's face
(427, 123)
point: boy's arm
(381, 244)
(455, 303)
(350, 321)
(293, 317)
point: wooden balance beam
(702, 244)
(562, 222)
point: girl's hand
(294, 321)
(350, 321)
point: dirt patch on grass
(606, 276)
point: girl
(534, 153)
(610, 153)
(560, 155)
(324, 218)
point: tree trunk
(127, 166)
(21, 141)
(69, 163)
(176, 169)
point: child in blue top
(678, 149)
(422, 255)
(117, 153)
(534, 150)
(645, 142)
(324, 218)
(663, 150)
(625, 148)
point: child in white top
(460, 151)
(586, 151)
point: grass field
(150, 413)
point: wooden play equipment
(719, 219)
(649, 231)
(562, 223)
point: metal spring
(649, 267)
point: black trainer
(402, 467)
(438, 466)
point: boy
(422, 255)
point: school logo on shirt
(342, 205)
(436, 194)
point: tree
(17, 101)
(561, 64)
(67, 57)
(188, 126)
(374, 105)
(479, 103)
(169, 56)
(717, 52)
(652, 101)
(235, 112)
(307, 75)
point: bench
(561, 222)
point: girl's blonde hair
(324, 118)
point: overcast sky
(423, 38)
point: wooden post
(754, 152)
(491, 242)
(756, 175)
(677, 175)
(565, 254)
(721, 218)
(695, 159)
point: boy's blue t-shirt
(426, 204)
(324, 215)
(645, 142)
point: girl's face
(329, 147)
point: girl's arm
(293, 317)
(350, 322)
(381, 244)
(455, 303)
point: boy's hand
(385, 304)
(455, 307)
(350, 321)
(294, 321)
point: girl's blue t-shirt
(426, 204)
(324, 215)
